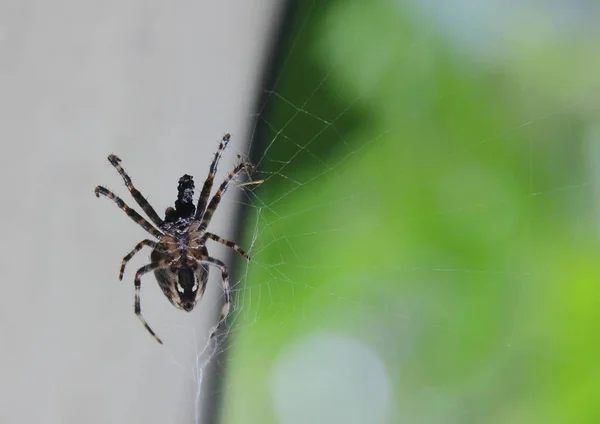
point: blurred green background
(430, 194)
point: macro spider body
(179, 259)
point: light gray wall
(157, 83)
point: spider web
(425, 228)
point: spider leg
(130, 255)
(227, 243)
(137, 283)
(130, 212)
(216, 199)
(141, 200)
(208, 183)
(226, 289)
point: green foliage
(436, 207)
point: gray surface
(157, 83)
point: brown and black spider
(179, 258)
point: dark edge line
(213, 402)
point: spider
(180, 259)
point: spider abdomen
(184, 282)
(183, 286)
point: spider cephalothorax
(179, 257)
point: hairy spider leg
(203, 259)
(137, 196)
(130, 255)
(227, 243)
(138, 285)
(130, 212)
(214, 202)
(208, 183)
